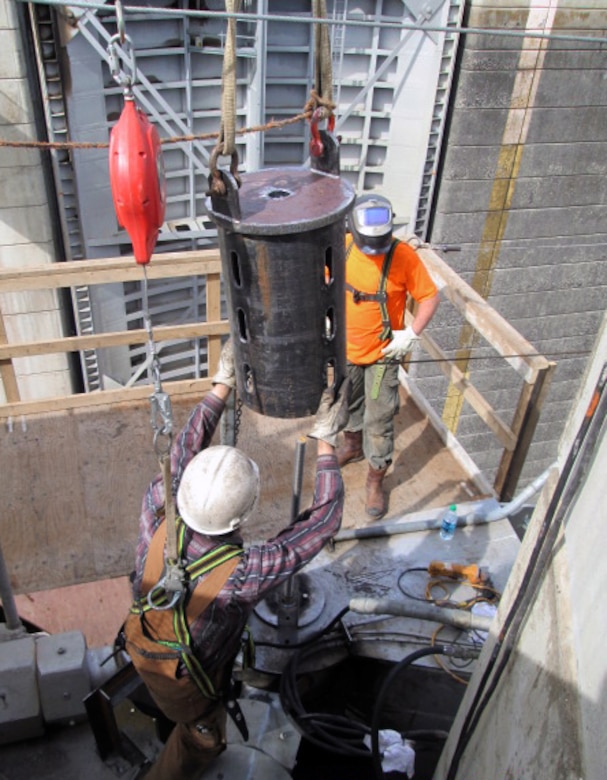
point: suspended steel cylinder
(281, 238)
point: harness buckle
(173, 583)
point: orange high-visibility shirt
(363, 319)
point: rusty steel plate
(278, 201)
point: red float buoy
(137, 179)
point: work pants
(374, 416)
(199, 735)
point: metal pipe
(518, 501)
(11, 616)
(478, 517)
(297, 478)
(289, 590)
(458, 618)
(400, 25)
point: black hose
(377, 709)
(334, 733)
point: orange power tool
(459, 571)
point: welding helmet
(218, 491)
(370, 222)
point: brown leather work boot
(351, 450)
(376, 505)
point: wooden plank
(188, 388)
(525, 422)
(43, 507)
(117, 338)
(213, 302)
(80, 273)
(508, 342)
(73, 490)
(481, 406)
(7, 370)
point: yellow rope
(227, 132)
(322, 55)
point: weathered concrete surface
(545, 716)
(523, 192)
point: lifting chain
(162, 417)
(237, 419)
(171, 586)
(172, 583)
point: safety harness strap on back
(160, 638)
(381, 296)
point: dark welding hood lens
(371, 224)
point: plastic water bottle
(449, 523)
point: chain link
(237, 419)
(160, 402)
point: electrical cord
(387, 685)
(340, 734)
(486, 592)
(331, 732)
(401, 586)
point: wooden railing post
(525, 421)
(213, 293)
(7, 370)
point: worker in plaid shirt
(217, 490)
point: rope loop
(318, 108)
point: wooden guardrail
(205, 263)
(514, 438)
(533, 368)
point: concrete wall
(26, 233)
(523, 192)
(546, 715)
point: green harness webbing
(182, 647)
(381, 297)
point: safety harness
(381, 297)
(157, 635)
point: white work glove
(333, 414)
(226, 373)
(402, 341)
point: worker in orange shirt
(381, 272)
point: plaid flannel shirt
(217, 632)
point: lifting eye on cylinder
(329, 278)
(249, 382)
(235, 262)
(243, 331)
(330, 373)
(329, 324)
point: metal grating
(179, 65)
(48, 62)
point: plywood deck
(425, 474)
(66, 541)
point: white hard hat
(218, 491)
